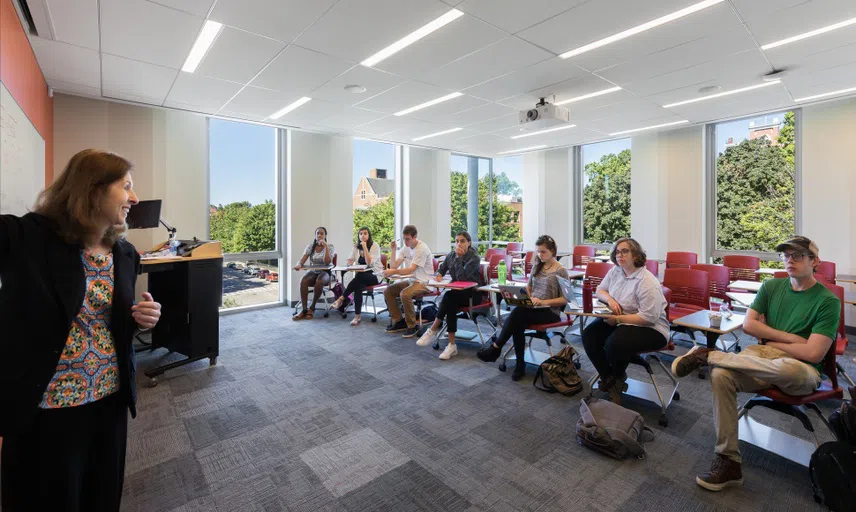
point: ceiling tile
(618, 124)
(373, 80)
(744, 103)
(568, 89)
(259, 103)
(299, 69)
(481, 113)
(444, 141)
(67, 63)
(441, 112)
(682, 56)
(634, 108)
(75, 89)
(514, 15)
(496, 60)
(356, 29)
(192, 90)
(196, 7)
(820, 82)
(537, 76)
(393, 123)
(457, 39)
(753, 9)
(831, 50)
(404, 96)
(280, 19)
(128, 29)
(135, 78)
(313, 112)
(238, 56)
(75, 22)
(495, 124)
(728, 72)
(576, 27)
(350, 117)
(802, 18)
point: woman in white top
(319, 254)
(638, 322)
(367, 253)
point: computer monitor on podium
(145, 215)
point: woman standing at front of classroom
(319, 254)
(68, 316)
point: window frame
(579, 192)
(489, 242)
(710, 183)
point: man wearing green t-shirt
(795, 320)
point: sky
(368, 155)
(242, 159)
(739, 130)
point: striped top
(545, 285)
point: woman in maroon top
(67, 319)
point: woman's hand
(536, 301)
(350, 261)
(438, 277)
(146, 313)
(615, 307)
(612, 320)
(297, 267)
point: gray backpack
(611, 429)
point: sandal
(338, 303)
(299, 316)
(356, 321)
(310, 314)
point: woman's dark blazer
(42, 285)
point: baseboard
(850, 329)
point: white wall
(427, 198)
(667, 191)
(319, 176)
(548, 192)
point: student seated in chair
(367, 253)
(463, 264)
(638, 322)
(319, 254)
(795, 320)
(546, 294)
(418, 266)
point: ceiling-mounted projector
(544, 115)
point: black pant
(71, 460)
(451, 301)
(517, 322)
(610, 347)
(357, 285)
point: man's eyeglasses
(795, 256)
(623, 252)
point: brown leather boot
(723, 473)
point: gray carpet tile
(321, 416)
(404, 489)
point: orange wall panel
(21, 74)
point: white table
(750, 286)
(768, 271)
(743, 298)
(700, 321)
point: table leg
(712, 337)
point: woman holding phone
(367, 253)
(319, 254)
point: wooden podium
(190, 291)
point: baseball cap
(801, 244)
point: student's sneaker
(489, 354)
(723, 473)
(428, 337)
(690, 362)
(450, 352)
(398, 326)
(410, 332)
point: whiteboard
(22, 158)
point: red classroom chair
(581, 256)
(742, 267)
(596, 271)
(681, 259)
(841, 335)
(653, 266)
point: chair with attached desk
(690, 292)
(372, 291)
(718, 278)
(823, 278)
(643, 359)
(514, 247)
(495, 250)
(472, 313)
(581, 256)
(742, 268)
(841, 336)
(326, 290)
(773, 398)
(653, 266)
(596, 271)
(681, 259)
(827, 270)
(427, 297)
(544, 332)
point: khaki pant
(407, 290)
(757, 367)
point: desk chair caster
(153, 382)
(212, 361)
(664, 421)
(502, 367)
(436, 345)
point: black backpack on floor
(833, 475)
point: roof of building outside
(383, 188)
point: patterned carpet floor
(321, 416)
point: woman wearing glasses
(638, 321)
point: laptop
(516, 295)
(571, 297)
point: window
(508, 199)
(754, 179)
(374, 179)
(605, 191)
(242, 215)
(470, 200)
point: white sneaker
(450, 351)
(427, 338)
